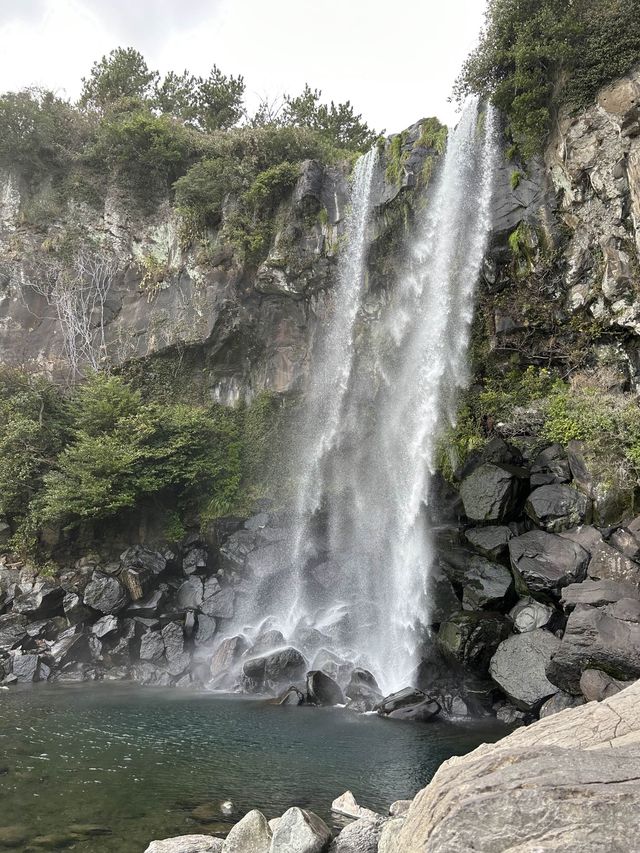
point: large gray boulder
(105, 593)
(596, 593)
(565, 783)
(490, 541)
(519, 664)
(606, 638)
(487, 585)
(609, 564)
(322, 689)
(493, 492)
(250, 835)
(556, 507)
(300, 831)
(550, 466)
(13, 631)
(44, 600)
(267, 671)
(547, 562)
(471, 638)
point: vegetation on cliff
(536, 54)
(89, 455)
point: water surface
(135, 763)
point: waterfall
(383, 380)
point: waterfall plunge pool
(145, 763)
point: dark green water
(137, 762)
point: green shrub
(433, 134)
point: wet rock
(409, 704)
(70, 648)
(609, 564)
(347, 805)
(13, 837)
(597, 593)
(323, 690)
(559, 702)
(25, 667)
(471, 638)
(510, 715)
(149, 605)
(443, 601)
(269, 670)
(251, 835)
(519, 667)
(178, 658)
(596, 638)
(13, 631)
(585, 535)
(105, 626)
(187, 844)
(75, 610)
(227, 655)
(105, 593)
(625, 542)
(334, 666)
(292, 696)
(556, 507)
(266, 642)
(550, 466)
(493, 493)
(44, 601)
(194, 560)
(362, 691)
(361, 836)
(487, 585)
(300, 831)
(144, 558)
(490, 541)
(529, 614)
(151, 646)
(191, 594)
(547, 562)
(400, 699)
(206, 628)
(220, 604)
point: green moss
(397, 157)
(514, 180)
(433, 134)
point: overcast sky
(395, 61)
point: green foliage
(338, 123)
(122, 74)
(529, 48)
(40, 132)
(433, 134)
(396, 158)
(148, 151)
(514, 180)
(271, 185)
(219, 101)
(34, 426)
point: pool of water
(110, 767)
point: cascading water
(359, 550)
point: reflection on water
(107, 768)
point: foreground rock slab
(568, 782)
(186, 844)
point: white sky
(395, 61)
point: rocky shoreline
(535, 605)
(563, 782)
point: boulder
(559, 702)
(362, 692)
(300, 831)
(150, 604)
(609, 564)
(547, 562)
(361, 836)
(490, 541)
(191, 593)
(556, 507)
(597, 638)
(625, 542)
(487, 585)
(267, 642)
(529, 614)
(250, 835)
(493, 492)
(402, 698)
(227, 655)
(347, 805)
(399, 807)
(322, 689)
(597, 685)
(105, 593)
(269, 670)
(218, 603)
(187, 844)
(13, 631)
(409, 704)
(568, 782)
(152, 647)
(194, 560)
(441, 595)
(105, 626)
(44, 601)
(471, 638)
(206, 628)
(519, 665)
(550, 466)
(587, 536)
(140, 557)
(332, 665)
(74, 609)
(597, 593)
(178, 659)
(292, 696)
(25, 667)
(70, 648)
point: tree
(219, 101)
(123, 74)
(177, 95)
(336, 122)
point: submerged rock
(187, 844)
(347, 805)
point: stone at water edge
(299, 831)
(597, 685)
(187, 844)
(399, 808)
(361, 836)
(560, 702)
(250, 835)
(347, 805)
(519, 664)
(323, 690)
